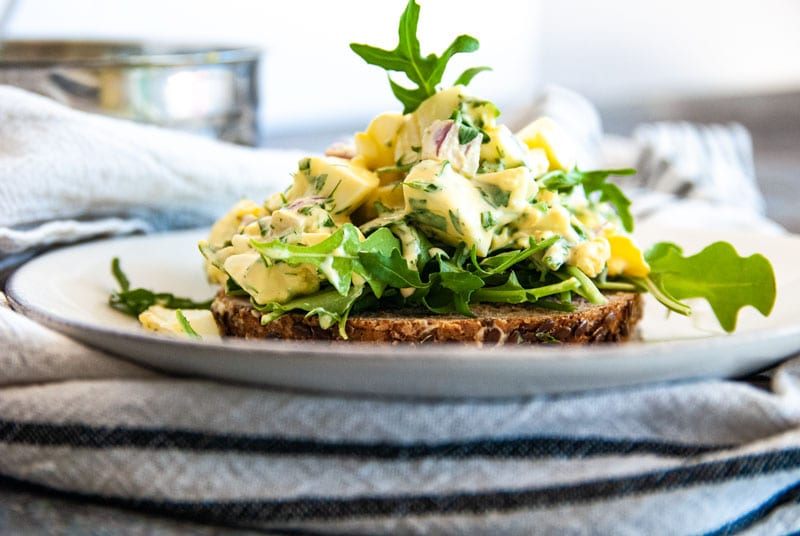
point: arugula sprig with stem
(135, 301)
(718, 274)
(424, 71)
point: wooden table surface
(774, 122)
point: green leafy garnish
(501, 262)
(135, 301)
(587, 287)
(329, 307)
(426, 72)
(594, 181)
(392, 270)
(185, 325)
(445, 282)
(454, 286)
(373, 272)
(513, 292)
(466, 130)
(122, 279)
(336, 257)
(718, 274)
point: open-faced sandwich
(439, 224)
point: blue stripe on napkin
(785, 497)
(476, 503)
(98, 437)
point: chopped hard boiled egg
(376, 145)
(504, 148)
(448, 205)
(337, 179)
(278, 282)
(626, 257)
(546, 134)
(386, 198)
(440, 107)
(590, 256)
(188, 323)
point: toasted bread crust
(494, 323)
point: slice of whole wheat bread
(493, 323)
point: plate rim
(359, 352)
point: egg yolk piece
(626, 257)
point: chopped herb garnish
(491, 166)
(494, 195)
(399, 168)
(318, 181)
(456, 222)
(488, 220)
(420, 214)
(466, 130)
(428, 187)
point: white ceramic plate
(68, 290)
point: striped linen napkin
(702, 457)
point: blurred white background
(613, 52)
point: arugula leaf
(466, 130)
(336, 257)
(718, 274)
(391, 270)
(426, 72)
(461, 285)
(329, 306)
(466, 77)
(501, 262)
(512, 291)
(565, 288)
(452, 285)
(509, 292)
(610, 193)
(133, 302)
(587, 288)
(382, 242)
(594, 181)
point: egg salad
(444, 189)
